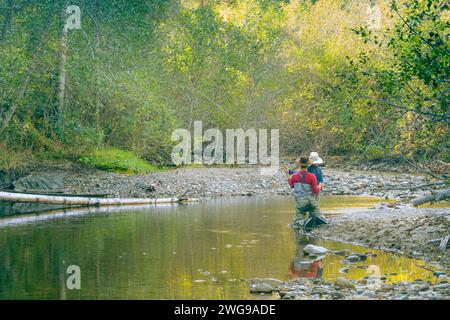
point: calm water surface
(197, 251)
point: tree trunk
(62, 64)
(435, 196)
(98, 90)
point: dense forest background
(362, 78)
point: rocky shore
(409, 231)
(368, 288)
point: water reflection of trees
(157, 253)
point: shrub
(116, 160)
(14, 159)
(374, 153)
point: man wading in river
(305, 188)
(314, 162)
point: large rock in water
(312, 249)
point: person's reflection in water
(303, 266)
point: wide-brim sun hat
(315, 159)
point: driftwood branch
(444, 242)
(435, 196)
(87, 201)
(421, 169)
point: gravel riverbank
(409, 231)
(223, 182)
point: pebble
(315, 250)
(343, 270)
(386, 287)
(341, 252)
(344, 283)
(261, 288)
(369, 293)
(441, 286)
(353, 258)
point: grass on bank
(12, 159)
(116, 160)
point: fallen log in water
(435, 196)
(87, 201)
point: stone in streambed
(439, 273)
(148, 187)
(344, 283)
(441, 286)
(343, 270)
(264, 285)
(287, 295)
(353, 258)
(273, 282)
(342, 253)
(370, 254)
(362, 257)
(314, 250)
(369, 293)
(261, 288)
(386, 287)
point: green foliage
(112, 159)
(410, 85)
(374, 152)
(140, 69)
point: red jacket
(308, 178)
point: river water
(195, 251)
